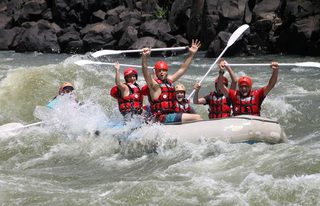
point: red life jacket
(131, 103)
(219, 106)
(250, 105)
(183, 106)
(165, 103)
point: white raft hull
(244, 128)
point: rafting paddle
(297, 64)
(14, 128)
(112, 52)
(87, 62)
(235, 35)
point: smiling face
(244, 89)
(161, 73)
(180, 95)
(131, 78)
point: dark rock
(301, 37)
(75, 47)
(39, 37)
(167, 38)
(194, 25)
(127, 15)
(247, 14)
(212, 7)
(70, 40)
(147, 42)
(116, 11)
(231, 10)
(128, 38)
(112, 20)
(181, 40)
(299, 9)
(154, 27)
(220, 43)
(266, 9)
(98, 16)
(47, 15)
(180, 15)
(30, 11)
(5, 21)
(7, 37)
(120, 28)
(209, 29)
(108, 5)
(149, 6)
(97, 36)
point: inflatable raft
(244, 128)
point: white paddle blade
(112, 52)
(105, 52)
(236, 34)
(10, 129)
(14, 128)
(308, 64)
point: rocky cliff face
(78, 26)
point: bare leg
(186, 117)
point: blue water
(64, 163)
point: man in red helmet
(160, 90)
(127, 94)
(245, 100)
(219, 105)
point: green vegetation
(161, 13)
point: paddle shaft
(211, 67)
(112, 52)
(17, 126)
(234, 36)
(33, 124)
(264, 64)
(155, 49)
(85, 62)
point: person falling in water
(65, 90)
(219, 105)
(160, 90)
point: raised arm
(196, 99)
(123, 88)
(273, 79)
(152, 84)
(183, 68)
(233, 77)
(221, 86)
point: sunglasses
(68, 89)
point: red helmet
(129, 71)
(161, 65)
(225, 81)
(245, 80)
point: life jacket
(131, 103)
(219, 106)
(183, 106)
(166, 101)
(250, 105)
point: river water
(66, 164)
